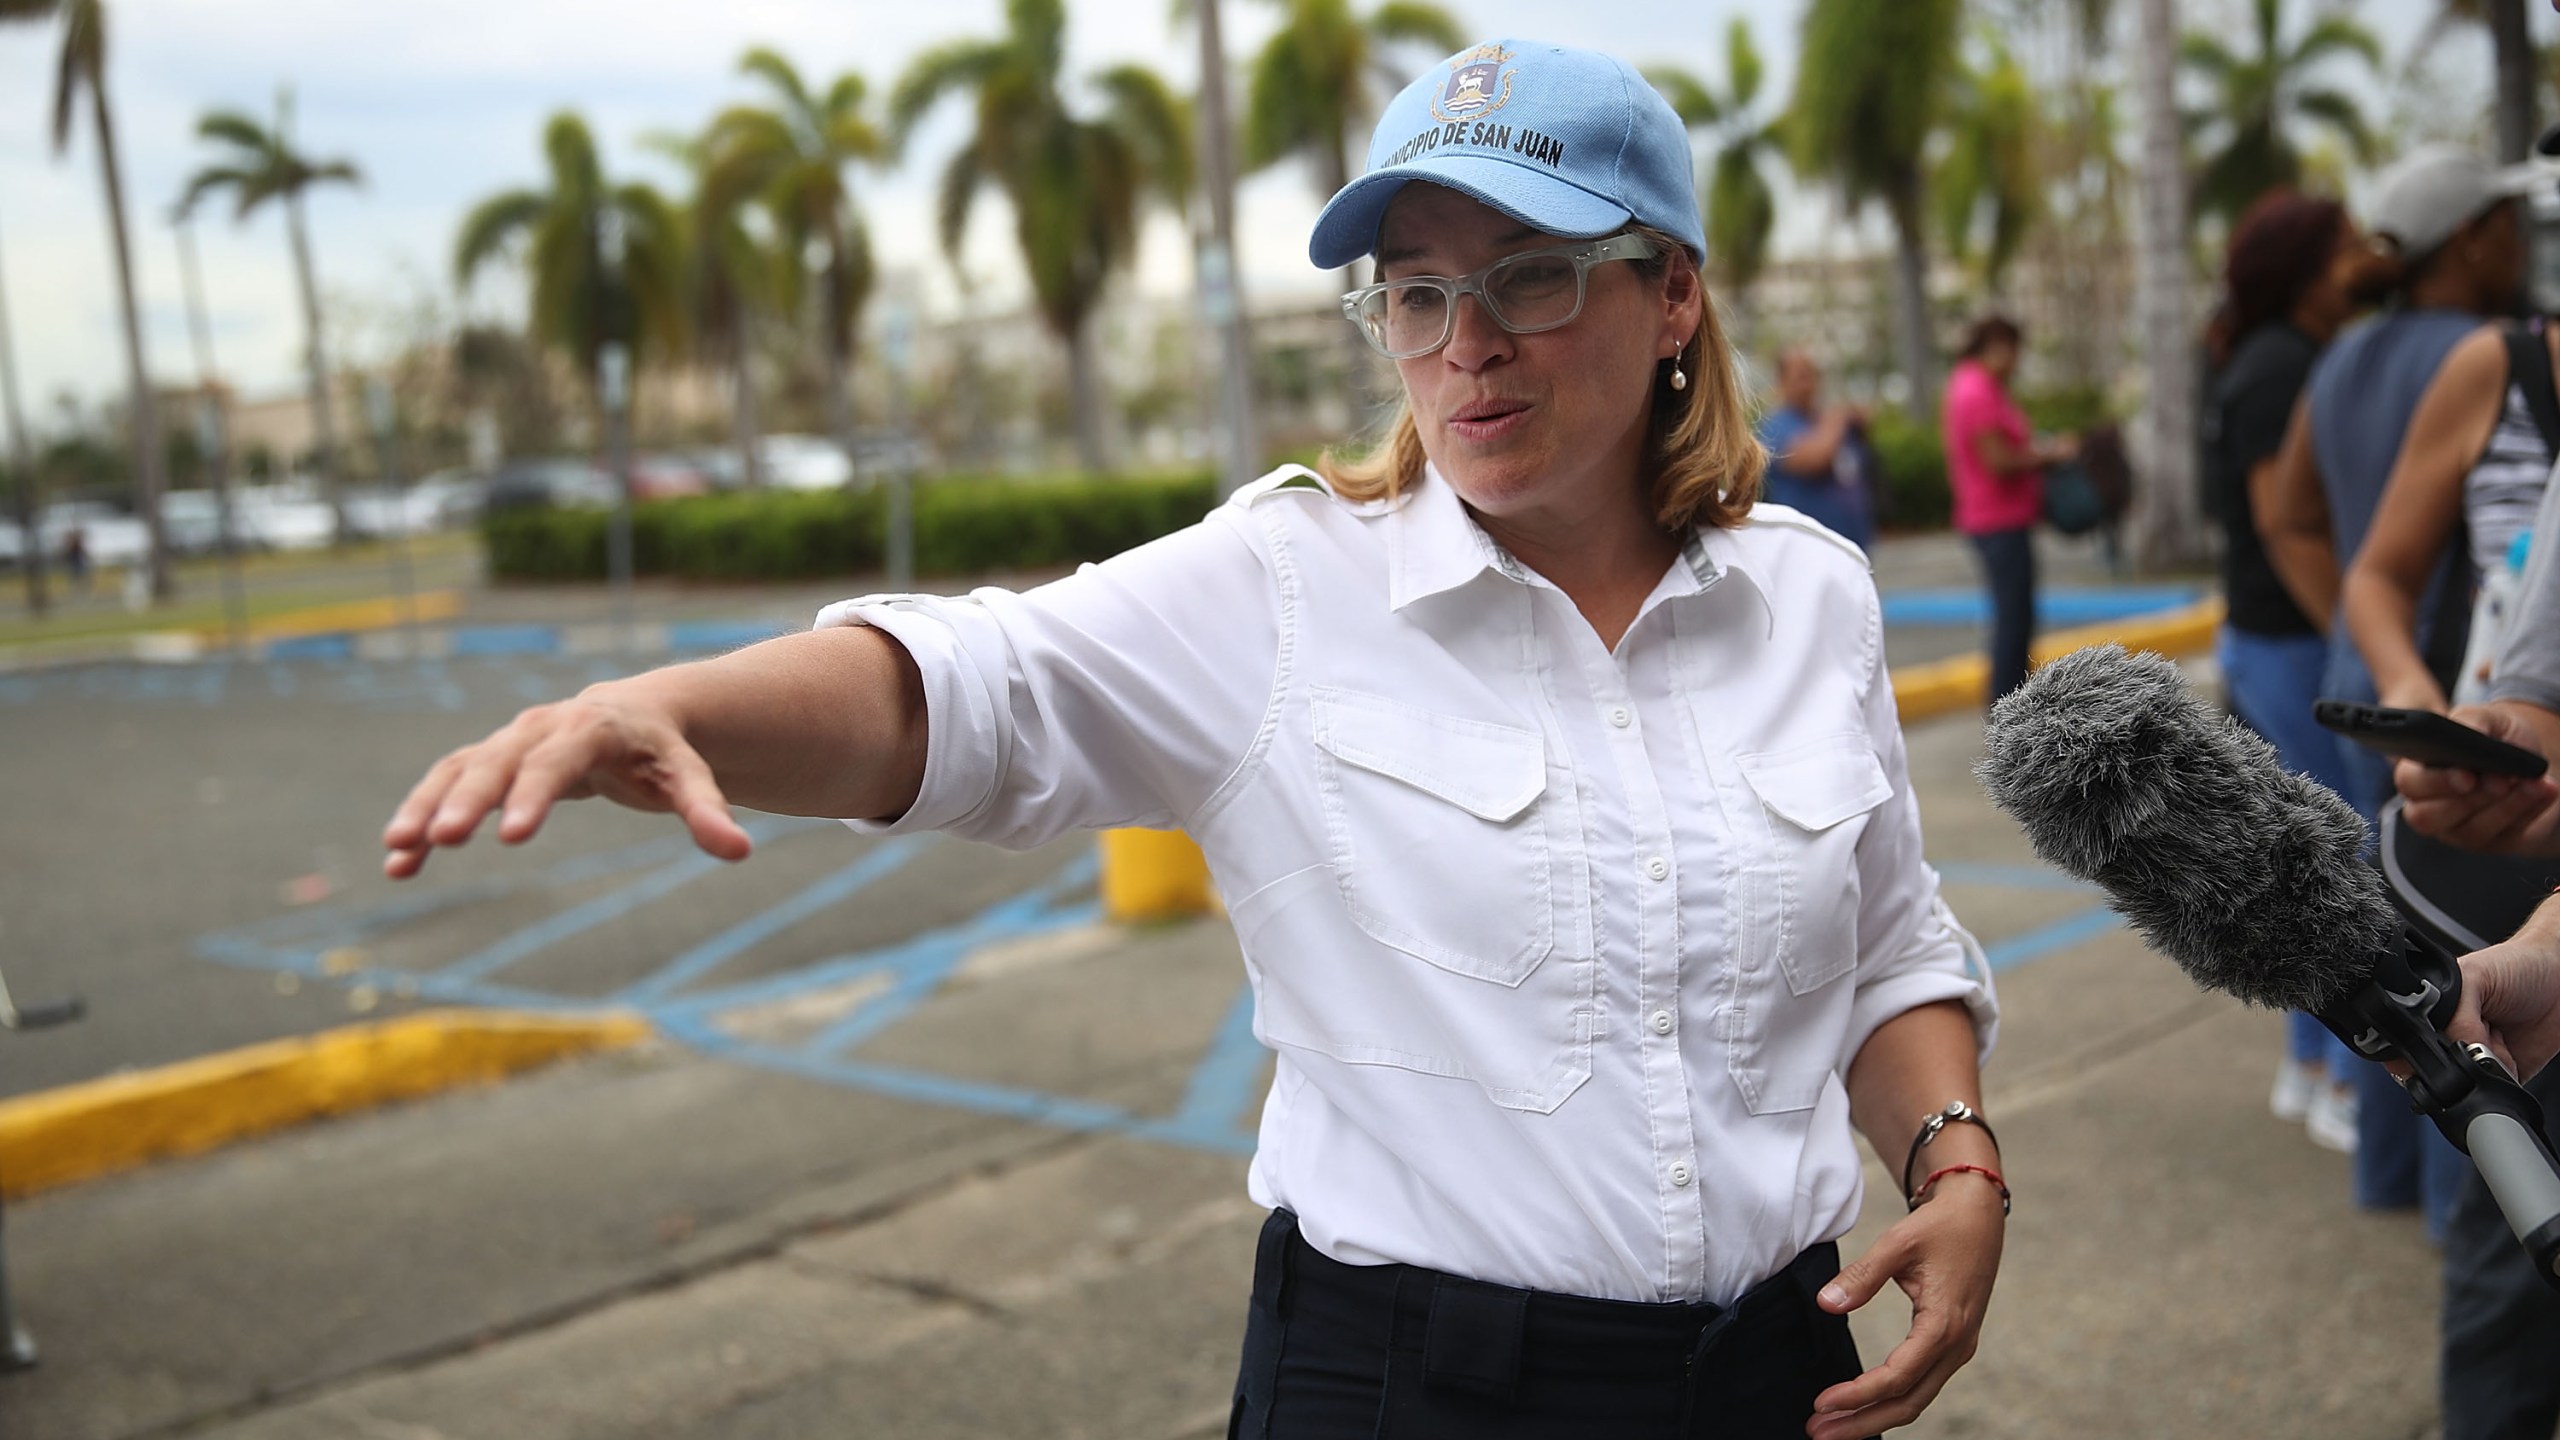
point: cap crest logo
(1478, 85)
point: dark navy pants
(1397, 1352)
(2501, 1356)
(2009, 571)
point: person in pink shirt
(1995, 469)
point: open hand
(1945, 1256)
(598, 743)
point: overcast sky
(442, 102)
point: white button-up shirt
(1563, 951)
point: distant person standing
(1995, 472)
(75, 559)
(1819, 459)
(2289, 280)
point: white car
(804, 462)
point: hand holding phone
(2427, 738)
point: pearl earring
(1679, 377)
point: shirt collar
(1434, 545)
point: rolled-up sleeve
(1124, 694)
(1912, 951)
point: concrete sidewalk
(663, 1244)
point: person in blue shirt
(1820, 462)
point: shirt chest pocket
(1435, 835)
(1817, 798)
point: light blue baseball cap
(1569, 142)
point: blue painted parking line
(885, 859)
(483, 640)
(2067, 933)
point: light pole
(22, 459)
(213, 437)
(1221, 293)
(898, 349)
(613, 392)
(385, 417)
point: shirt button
(1621, 716)
(1680, 1173)
(1657, 867)
(1661, 1021)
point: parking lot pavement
(934, 1154)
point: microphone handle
(2517, 1167)
(2398, 1015)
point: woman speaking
(1558, 798)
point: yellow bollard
(1154, 875)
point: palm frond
(2339, 111)
(943, 70)
(491, 226)
(234, 128)
(1743, 70)
(1417, 22)
(769, 66)
(208, 180)
(953, 197)
(1156, 124)
(1690, 98)
(2337, 35)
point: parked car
(657, 477)
(804, 462)
(453, 497)
(524, 484)
(284, 517)
(111, 536)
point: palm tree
(582, 295)
(1740, 211)
(1310, 93)
(793, 158)
(731, 279)
(1076, 184)
(263, 165)
(83, 67)
(1871, 76)
(2260, 95)
(1987, 177)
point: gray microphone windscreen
(2249, 877)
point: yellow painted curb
(1943, 686)
(380, 613)
(1154, 875)
(55, 1137)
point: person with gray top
(2447, 232)
(2501, 1345)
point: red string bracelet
(1985, 1171)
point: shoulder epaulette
(1287, 477)
(1768, 513)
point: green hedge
(1914, 494)
(963, 527)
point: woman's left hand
(1945, 1256)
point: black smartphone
(2426, 737)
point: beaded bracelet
(1985, 1171)
(1956, 1112)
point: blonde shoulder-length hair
(1702, 463)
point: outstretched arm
(828, 723)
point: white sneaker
(2295, 1082)
(2331, 1120)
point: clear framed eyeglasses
(1525, 293)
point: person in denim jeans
(2289, 284)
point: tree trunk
(22, 459)
(1084, 397)
(837, 352)
(1371, 377)
(1911, 331)
(2511, 45)
(742, 401)
(148, 478)
(2168, 525)
(324, 420)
